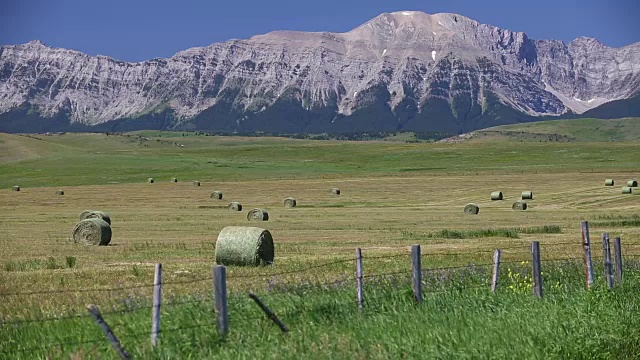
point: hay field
(177, 224)
(393, 194)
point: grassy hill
(91, 159)
(585, 130)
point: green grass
(545, 229)
(582, 130)
(617, 221)
(458, 319)
(49, 263)
(85, 159)
(513, 233)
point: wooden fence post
(586, 249)
(269, 313)
(606, 252)
(496, 270)
(618, 254)
(220, 297)
(416, 273)
(536, 272)
(359, 278)
(157, 300)
(93, 310)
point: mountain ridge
(398, 71)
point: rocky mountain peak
(586, 41)
(402, 70)
(36, 43)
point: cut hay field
(393, 195)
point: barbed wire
(45, 347)
(291, 271)
(285, 287)
(104, 313)
(565, 259)
(364, 257)
(84, 290)
(371, 276)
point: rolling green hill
(89, 158)
(582, 130)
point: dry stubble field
(177, 225)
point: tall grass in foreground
(459, 318)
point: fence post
(157, 300)
(93, 310)
(536, 273)
(618, 254)
(586, 249)
(416, 273)
(220, 297)
(269, 313)
(496, 270)
(359, 277)
(606, 251)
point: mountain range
(406, 71)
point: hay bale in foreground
(290, 202)
(519, 205)
(471, 209)
(196, 183)
(60, 192)
(496, 195)
(609, 182)
(244, 246)
(235, 206)
(16, 188)
(258, 215)
(174, 180)
(335, 191)
(216, 195)
(93, 231)
(527, 195)
(95, 214)
(627, 190)
(151, 180)
(632, 183)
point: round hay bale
(527, 195)
(335, 191)
(632, 183)
(196, 183)
(60, 192)
(496, 195)
(151, 181)
(290, 202)
(93, 231)
(257, 215)
(216, 195)
(244, 246)
(16, 188)
(609, 182)
(174, 180)
(94, 214)
(471, 209)
(235, 206)
(519, 205)
(626, 190)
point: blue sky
(136, 30)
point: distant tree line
(358, 136)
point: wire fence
(435, 280)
